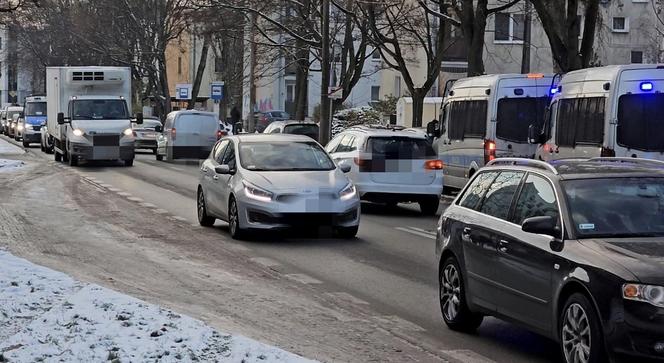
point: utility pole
(325, 123)
(525, 53)
(251, 120)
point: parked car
(3, 121)
(390, 166)
(267, 117)
(145, 135)
(294, 127)
(187, 134)
(264, 182)
(571, 250)
(13, 114)
(32, 120)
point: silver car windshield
(284, 156)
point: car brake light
(607, 153)
(433, 165)
(489, 151)
(221, 133)
(173, 133)
(364, 164)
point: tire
(347, 232)
(57, 156)
(234, 228)
(572, 341)
(159, 157)
(26, 144)
(429, 206)
(452, 297)
(73, 160)
(129, 162)
(154, 151)
(203, 218)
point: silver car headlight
(348, 192)
(256, 193)
(645, 293)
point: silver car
(277, 181)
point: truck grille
(106, 140)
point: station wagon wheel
(203, 218)
(453, 306)
(234, 221)
(580, 333)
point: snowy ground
(47, 316)
(10, 165)
(9, 149)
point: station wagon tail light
(651, 294)
(363, 164)
(535, 75)
(173, 133)
(433, 165)
(489, 151)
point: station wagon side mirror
(432, 129)
(546, 225)
(139, 118)
(223, 170)
(344, 167)
(535, 136)
(158, 128)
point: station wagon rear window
(399, 147)
(580, 121)
(302, 129)
(515, 115)
(641, 122)
(467, 119)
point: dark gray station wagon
(573, 250)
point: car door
(525, 261)
(223, 183)
(209, 183)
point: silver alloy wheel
(576, 335)
(232, 218)
(450, 292)
(201, 206)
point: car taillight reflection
(489, 151)
(221, 133)
(433, 165)
(173, 133)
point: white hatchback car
(266, 182)
(390, 166)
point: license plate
(148, 134)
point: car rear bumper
(402, 192)
(145, 144)
(188, 152)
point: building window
(637, 56)
(218, 65)
(375, 55)
(620, 24)
(375, 93)
(179, 65)
(509, 28)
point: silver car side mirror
(222, 169)
(344, 167)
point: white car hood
(101, 126)
(298, 181)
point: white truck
(88, 113)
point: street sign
(183, 91)
(217, 91)
(335, 93)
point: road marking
(135, 199)
(176, 168)
(148, 205)
(114, 190)
(267, 262)
(160, 211)
(415, 232)
(347, 297)
(398, 322)
(302, 278)
(178, 218)
(124, 194)
(423, 231)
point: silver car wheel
(576, 335)
(233, 218)
(450, 292)
(201, 206)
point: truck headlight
(78, 132)
(347, 192)
(19, 127)
(256, 193)
(650, 294)
(128, 132)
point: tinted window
(147, 124)
(397, 147)
(617, 207)
(99, 110)
(641, 121)
(276, 131)
(498, 198)
(467, 119)
(347, 144)
(219, 150)
(580, 121)
(332, 145)
(515, 115)
(476, 190)
(537, 199)
(302, 129)
(284, 156)
(229, 156)
(35, 109)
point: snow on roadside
(9, 149)
(47, 316)
(10, 165)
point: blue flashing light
(554, 90)
(646, 86)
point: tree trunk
(325, 104)
(199, 73)
(418, 106)
(301, 81)
(163, 83)
(476, 49)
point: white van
(487, 117)
(188, 134)
(604, 112)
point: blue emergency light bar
(646, 86)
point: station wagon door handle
(502, 246)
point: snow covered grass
(9, 165)
(47, 316)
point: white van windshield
(35, 109)
(99, 110)
(515, 115)
(641, 122)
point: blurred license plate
(148, 134)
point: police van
(486, 117)
(605, 112)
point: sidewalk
(47, 316)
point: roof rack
(639, 161)
(523, 162)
